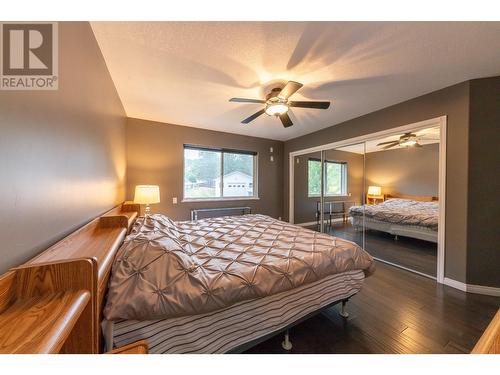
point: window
(335, 175)
(219, 173)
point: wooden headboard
(421, 198)
(62, 289)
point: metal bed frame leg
(286, 343)
(396, 238)
(343, 312)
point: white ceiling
(184, 72)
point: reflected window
(335, 174)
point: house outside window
(213, 174)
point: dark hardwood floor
(396, 312)
(408, 252)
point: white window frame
(255, 155)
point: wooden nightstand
(138, 347)
(374, 199)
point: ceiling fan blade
(391, 145)
(254, 116)
(290, 88)
(285, 119)
(424, 138)
(316, 105)
(386, 143)
(243, 100)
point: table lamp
(374, 190)
(147, 194)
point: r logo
(29, 49)
(29, 56)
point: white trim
(480, 289)
(471, 288)
(455, 284)
(442, 200)
(438, 121)
(367, 137)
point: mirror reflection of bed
(387, 201)
(400, 212)
(401, 229)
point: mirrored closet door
(381, 194)
(402, 184)
(328, 191)
(307, 190)
(342, 194)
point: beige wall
(155, 156)
(62, 153)
(452, 102)
(413, 171)
(305, 206)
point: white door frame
(438, 121)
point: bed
(221, 285)
(409, 216)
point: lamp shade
(374, 190)
(147, 194)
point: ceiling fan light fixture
(408, 143)
(277, 103)
(276, 109)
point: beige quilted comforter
(168, 269)
(401, 211)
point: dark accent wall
(483, 232)
(413, 171)
(305, 206)
(62, 153)
(454, 103)
(155, 156)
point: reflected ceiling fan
(406, 140)
(277, 103)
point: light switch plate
(174, 200)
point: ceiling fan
(409, 140)
(406, 140)
(277, 103)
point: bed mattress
(226, 329)
(169, 269)
(401, 212)
(413, 231)
(401, 217)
